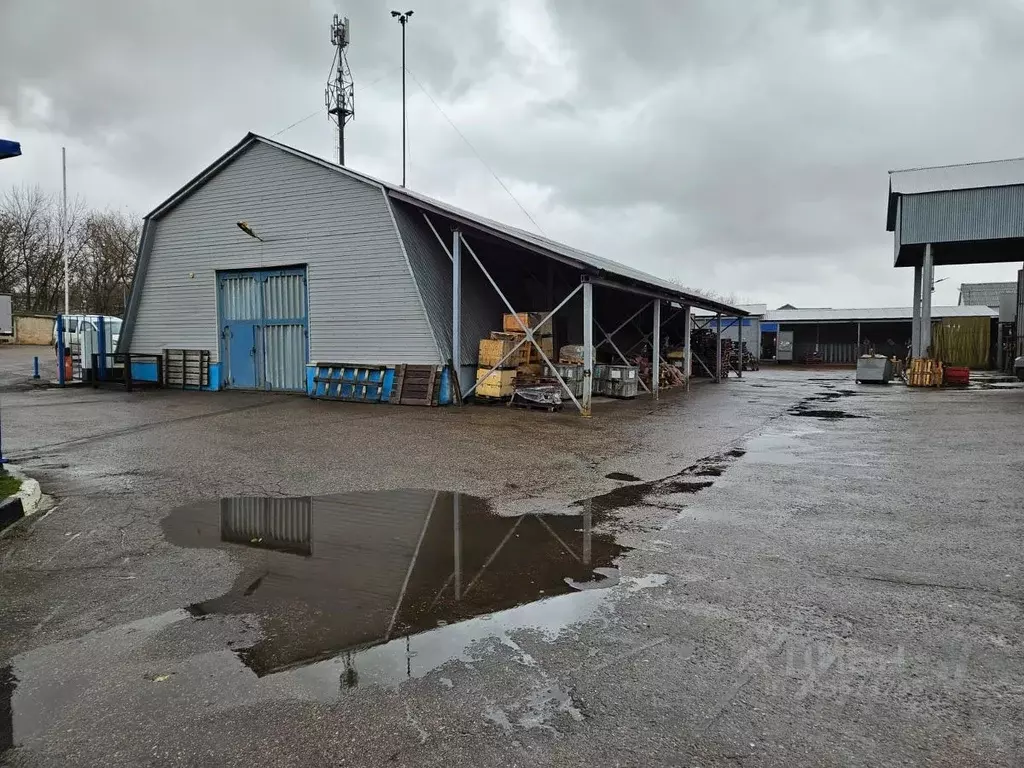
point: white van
(76, 325)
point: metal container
(573, 377)
(619, 372)
(624, 388)
(874, 369)
(784, 347)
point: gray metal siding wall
(363, 303)
(959, 215)
(481, 308)
(1020, 313)
(898, 230)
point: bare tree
(34, 237)
(104, 272)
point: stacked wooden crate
(924, 373)
(524, 367)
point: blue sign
(9, 148)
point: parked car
(1018, 367)
(77, 325)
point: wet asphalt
(784, 570)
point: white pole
(64, 229)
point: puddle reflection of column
(457, 544)
(587, 522)
(8, 682)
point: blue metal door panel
(284, 329)
(264, 328)
(240, 343)
(240, 313)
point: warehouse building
(963, 335)
(281, 271)
(972, 213)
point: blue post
(35, 367)
(2, 459)
(60, 350)
(101, 372)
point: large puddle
(340, 591)
(329, 574)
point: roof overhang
(597, 276)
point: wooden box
(530, 320)
(493, 350)
(498, 384)
(527, 353)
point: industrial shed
(971, 213)
(278, 268)
(963, 334)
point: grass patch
(8, 485)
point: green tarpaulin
(963, 341)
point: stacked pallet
(524, 367)
(924, 373)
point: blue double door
(264, 328)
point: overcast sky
(738, 146)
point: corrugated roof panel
(995, 173)
(986, 294)
(827, 315)
(568, 252)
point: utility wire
(321, 110)
(297, 122)
(475, 152)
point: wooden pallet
(416, 385)
(350, 383)
(187, 368)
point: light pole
(403, 19)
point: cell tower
(339, 98)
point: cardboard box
(527, 353)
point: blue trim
(769, 327)
(144, 370)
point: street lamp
(403, 19)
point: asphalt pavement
(784, 570)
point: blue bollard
(2, 459)
(35, 367)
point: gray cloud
(738, 146)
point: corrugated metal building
(840, 335)
(991, 295)
(971, 213)
(277, 262)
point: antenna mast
(339, 98)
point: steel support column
(457, 307)
(656, 350)
(915, 323)
(718, 342)
(739, 343)
(588, 346)
(927, 281)
(857, 356)
(687, 352)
